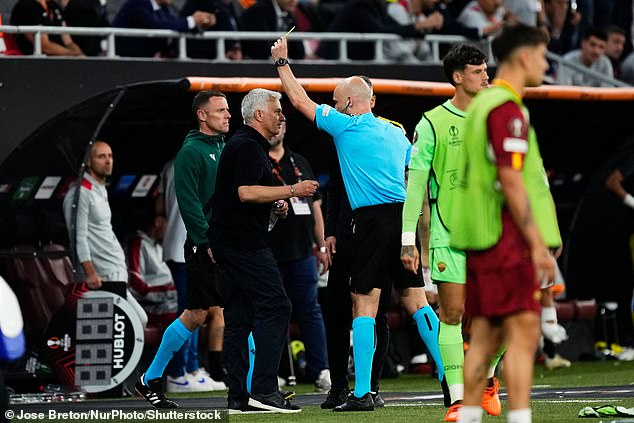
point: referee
(374, 177)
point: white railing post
(343, 50)
(111, 52)
(435, 51)
(221, 53)
(37, 43)
(182, 47)
(378, 51)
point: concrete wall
(33, 90)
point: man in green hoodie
(195, 180)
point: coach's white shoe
(179, 384)
(323, 383)
(202, 382)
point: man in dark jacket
(365, 16)
(148, 14)
(270, 15)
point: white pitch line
(579, 400)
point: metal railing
(561, 62)
(220, 37)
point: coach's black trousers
(255, 300)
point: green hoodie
(195, 170)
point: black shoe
(272, 402)
(287, 395)
(378, 400)
(153, 393)
(353, 403)
(446, 397)
(240, 407)
(335, 398)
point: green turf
(555, 410)
(596, 373)
(552, 410)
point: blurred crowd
(594, 34)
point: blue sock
(428, 328)
(191, 358)
(364, 345)
(173, 339)
(251, 360)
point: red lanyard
(277, 170)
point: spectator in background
(98, 251)
(154, 14)
(87, 13)
(292, 240)
(227, 14)
(150, 279)
(627, 69)
(527, 12)
(591, 55)
(270, 15)
(369, 16)
(560, 22)
(412, 50)
(46, 13)
(487, 16)
(614, 48)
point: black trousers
(338, 320)
(255, 301)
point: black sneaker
(446, 397)
(272, 402)
(378, 400)
(287, 395)
(353, 403)
(153, 393)
(241, 407)
(335, 398)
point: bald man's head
(352, 96)
(100, 161)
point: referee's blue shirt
(372, 153)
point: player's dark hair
(202, 98)
(614, 29)
(514, 37)
(459, 57)
(595, 31)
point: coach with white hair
(255, 299)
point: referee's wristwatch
(282, 61)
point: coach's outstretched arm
(293, 89)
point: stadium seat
(40, 280)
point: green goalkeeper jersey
(439, 135)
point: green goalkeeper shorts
(448, 265)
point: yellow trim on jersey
(395, 123)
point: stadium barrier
(415, 88)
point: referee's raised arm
(293, 89)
